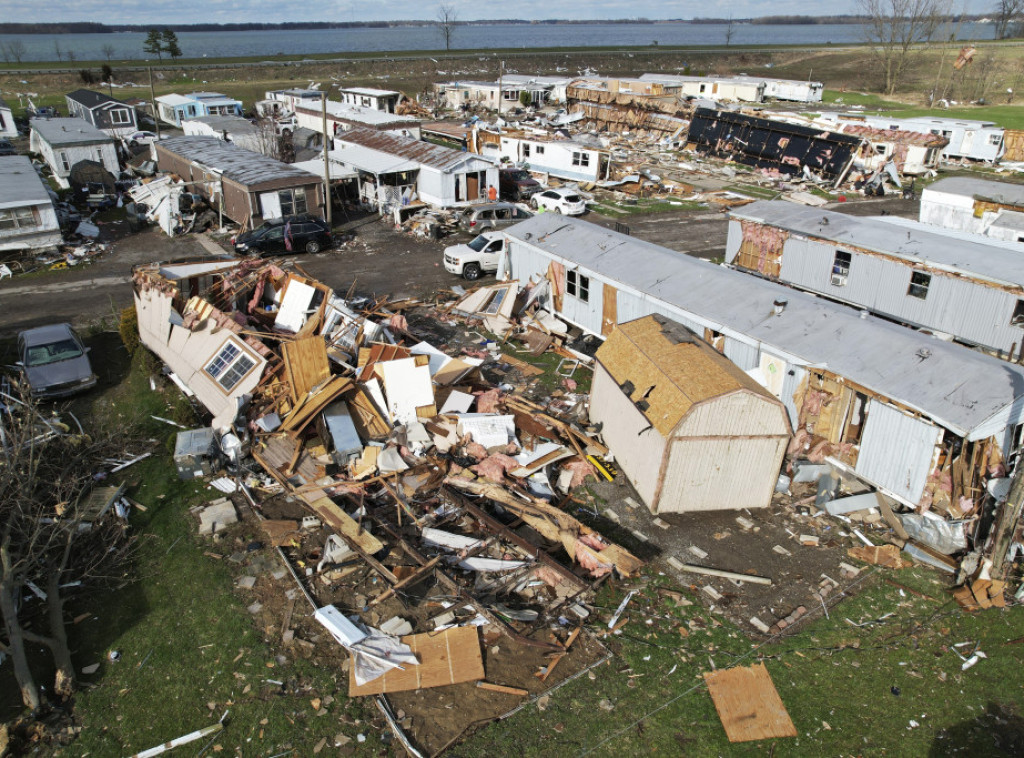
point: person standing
(492, 193)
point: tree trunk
(16, 640)
(64, 681)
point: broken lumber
(558, 526)
(693, 569)
(502, 688)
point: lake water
(128, 45)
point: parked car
(479, 218)
(143, 138)
(285, 235)
(474, 258)
(562, 200)
(517, 184)
(6, 148)
(54, 361)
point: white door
(968, 142)
(896, 451)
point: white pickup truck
(474, 258)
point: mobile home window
(581, 159)
(841, 268)
(293, 202)
(526, 149)
(64, 162)
(229, 366)
(995, 139)
(119, 116)
(578, 285)
(919, 282)
(540, 149)
(17, 218)
(1018, 314)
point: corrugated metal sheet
(896, 451)
(984, 259)
(744, 355)
(971, 311)
(424, 153)
(957, 387)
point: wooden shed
(690, 429)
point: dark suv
(517, 184)
(292, 234)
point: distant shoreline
(88, 27)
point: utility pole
(152, 94)
(327, 163)
(501, 85)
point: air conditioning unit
(838, 280)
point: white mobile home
(742, 89)
(791, 89)
(913, 153)
(27, 218)
(439, 176)
(894, 395)
(968, 204)
(63, 142)
(974, 140)
(690, 430)
(970, 289)
(563, 158)
(366, 97)
(342, 116)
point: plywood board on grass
(748, 704)
(449, 657)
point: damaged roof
(232, 124)
(423, 153)
(902, 136)
(1002, 193)
(359, 114)
(20, 185)
(958, 387)
(671, 368)
(240, 165)
(918, 243)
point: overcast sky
(224, 11)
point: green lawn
(848, 690)
(190, 651)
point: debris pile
(424, 503)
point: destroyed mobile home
(434, 493)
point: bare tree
(108, 51)
(58, 50)
(729, 32)
(447, 19)
(1006, 15)
(267, 141)
(895, 28)
(17, 50)
(51, 540)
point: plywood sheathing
(671, 370)
(449, 657)
(306, 365)
(748, 704)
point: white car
(566, 201)
(143, 138)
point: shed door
(896, 450)
(472, 186)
